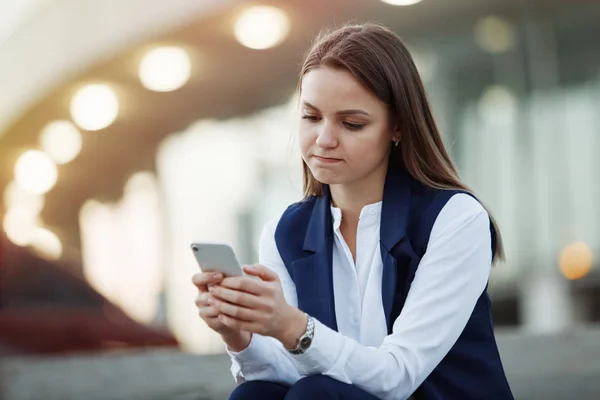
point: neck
(352, 197)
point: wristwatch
(306, 339)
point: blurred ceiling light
(575, 260)
(495, 35)
(35, 172)
(16, 197)
(498, 106)
(262, 27)
(61, 140)
(46, 243)
(94, 107)
(402, 2)
(19, 225)
(165, 69)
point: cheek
(306, 139)
(370, 147)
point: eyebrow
(343, 112)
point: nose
(327, 136)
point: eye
(311, 118)
(353, 126)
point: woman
(373, 286)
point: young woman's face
(344, 134)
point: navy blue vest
(304, 236)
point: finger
(203, 279)
(208, 312)
(245, 284)
(240, 325)
(262, 272)
(235, 311)
(202, 299)
(239, 298)
(213, 323)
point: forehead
(337, 89)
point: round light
(165, 69)
(15, 196)
(94, 107)
(19, 226)
(402, 2)
(262, 27)
(61, 140)
(494, 35)
(46, 243)
(35, 172)
(498, 106)
(575, 260)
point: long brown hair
(379, 60)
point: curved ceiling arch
(45, 42)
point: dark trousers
(314, 387)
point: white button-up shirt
(451, 276)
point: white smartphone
(217, 257)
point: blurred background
(129, 128)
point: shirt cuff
(324, 354)
(256, 353)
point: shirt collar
(368, 211)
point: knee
(258, 390)
(311, 387)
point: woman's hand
(235, 339)
(258, 306)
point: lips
(327, 159)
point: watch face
(305, 342)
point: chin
(327, 177)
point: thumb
(262, 272)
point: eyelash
(351, 126)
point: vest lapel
(313, 275)
(394, 220)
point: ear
(396, 135)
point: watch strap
(305, 340)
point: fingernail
(211, 289)
(210, 300)
(217, 275)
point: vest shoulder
(424, 192)
(296, 215)
(428, 199)
(426, 205)
(300, 208)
